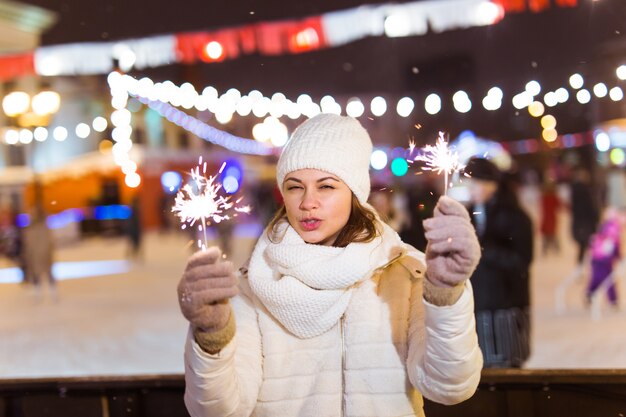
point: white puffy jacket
(390, 347)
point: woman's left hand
(453, 250)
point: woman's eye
(327, 187)
(293, 187)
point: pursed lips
(310, 223)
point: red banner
(512, 6)
(536, 6)
(272, 38)
(15, 66)
(567, 3)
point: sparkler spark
(204, 203)
(440, 158)
(411, 147)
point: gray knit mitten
(452, 253)
(203, 293)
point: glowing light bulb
(583, 96)
(616, 94)
(214, 50)
(59, 133)
(82, 130)
(533, 88)
(576, 81)
(405, 106)
(378, 160)
(355, 108)
(548, 121)
(536, 109)
(603, 141)
(378, 106)
(600, 90)
(432, 104)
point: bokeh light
(548, 121)
(536, 109)
(576, 81)
(399, 167)
(602, 141)
(549, 135)
(378, 159)
(432, 104)
(617, 156)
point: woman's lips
(310, 224)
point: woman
(501, 281)
(334, 315)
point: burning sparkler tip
(203, 204)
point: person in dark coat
(134, 230)
(501, 280)
(585, 213)
(421, 205)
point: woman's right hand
(205, 288)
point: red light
(305, 40)
(213, 51)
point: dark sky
(548, 47)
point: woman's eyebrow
(319, 180)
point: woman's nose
(309, 201)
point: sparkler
(205, 203)
(439, 158)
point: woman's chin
(314, 237)
(311, 238)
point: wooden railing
(543, 393)
(502, 393)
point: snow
(118, 324)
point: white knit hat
(335, 144)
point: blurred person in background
(616, 188)
(334, 315)
(7, 232)
(266, 200)
(550, 206)
(11, 237)
(605, 251)
(38, 251)
(584, 211)
(421, 203)
(134, 230)
(501, 280)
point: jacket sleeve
(227, 383)
(444, 361)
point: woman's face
(481, 191)
(318, 205)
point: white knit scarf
(307, 287)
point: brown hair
(361, 226)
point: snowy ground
(128, 322)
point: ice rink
(113, 316)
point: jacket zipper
(343, 368)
